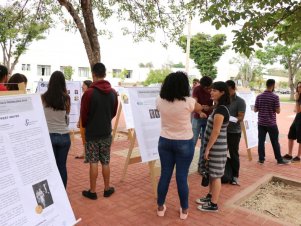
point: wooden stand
(154, 171)
(243, 129)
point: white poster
(31, 189)
(147, 121)
(126, 107)
(75, 92)
(250, 120)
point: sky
(121, 52)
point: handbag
(205, 176)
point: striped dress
(218, 152)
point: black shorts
(295, 129)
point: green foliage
(283, 85)
(277, 72)
(147, 65)
(250, 72)
(287, 55)
(205, 50)
(257, 18)
(156, 76)
(20, 25)
(121, 74)
(178, 65)
(68, 72)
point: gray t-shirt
(237, 105)
(56, 121)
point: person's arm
(241, 111)
(277, 107)
(256, 105)
(85, 106)
(217, 125)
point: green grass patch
(285, 99)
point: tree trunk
(87, 31)
(290, 78)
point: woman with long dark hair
(176, 147)
(215, 145)
(56, 104)
(295, 129)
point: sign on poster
(75, 92)
(126, 107)
(147, 121)
(31, 189)
(250, 119)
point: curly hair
(175, 87)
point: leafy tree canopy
(205, 50)
(156, 76)
(288, 55)
(256, 18)
(21, 23)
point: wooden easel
(154, 171)
(22, 90)
(243, 129)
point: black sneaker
(208, 207)
(283, 162)
(90, 195)
(109, 192)
(204, 200)
(296, 159)
(287, 157)
(260, 162)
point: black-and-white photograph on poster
(42, 193)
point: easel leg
(128, 158)
(153, 175)
(249, 154)
(116, 121)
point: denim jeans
(274, 134)
(61, 144)
(198, 128)
(179, 153)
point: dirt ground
(277, 199)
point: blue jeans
(274, 134)
(179, 153)
(61, 144)
(198, 128)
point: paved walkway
(134, 202)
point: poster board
(250, 119)
(126, 107)
(31, 189)
(147, 121)
(75, 92)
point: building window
(129, 74)
(25, 67)
(83, 72)
(116, 73)
(44, 70)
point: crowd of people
(211, 112)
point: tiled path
(134, 202)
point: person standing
(98, 108)
(56, 103)
(3, 77)
(201, 94)
(216, 145)
(176, 147)
(267, 105)
(237, 110)
(86, 84)
(295, 129)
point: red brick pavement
(134, 202)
